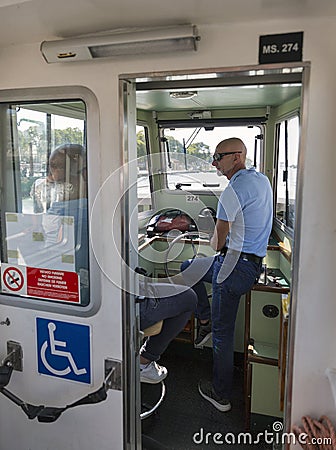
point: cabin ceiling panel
(37, 20)
(249, 96)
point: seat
(149, 410)
(153, 329)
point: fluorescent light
(158, 40)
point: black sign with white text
(274, 48)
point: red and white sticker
(42, 283)
(13, 279)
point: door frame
(165, 80)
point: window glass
(143, 182)
(189, 155)
(287, 143)
(44, 237)
(39, 133)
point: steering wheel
(189, 237)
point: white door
(60, 333)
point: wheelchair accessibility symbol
(63, 350)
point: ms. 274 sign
(276, 48)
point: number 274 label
(192, 198)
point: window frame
(91, 131)
(283, 225)
(147, 213)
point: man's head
(67, 165)
(230, 156)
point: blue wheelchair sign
(63, 349)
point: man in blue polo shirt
(244, 223)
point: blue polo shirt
(247, 203)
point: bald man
(243, 226)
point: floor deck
(185, 421)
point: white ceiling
(24, 21)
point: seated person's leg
(195, 272)
(175, 310)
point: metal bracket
(113, 379)
(14, 356)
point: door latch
(113, 379)
(14, 356)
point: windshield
(188, 153)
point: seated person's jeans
(195, 272)
(174, 305)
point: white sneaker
(153, 373)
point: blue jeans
(174, 305)
(195, 272)
(225, 302)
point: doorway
(263, 95)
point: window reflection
(44, 199)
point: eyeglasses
(218, 156)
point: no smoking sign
(35, 282)
(13, 279)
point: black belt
(249, 256)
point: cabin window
(188, 154)
(287, 148)
(144, 178)
(44, 211)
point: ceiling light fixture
(183, 94)
(114, 44)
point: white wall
(237, 45)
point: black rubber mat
(185, 421)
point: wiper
(188, 143)
(211, 184)
(179, 185)
(192, 136)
